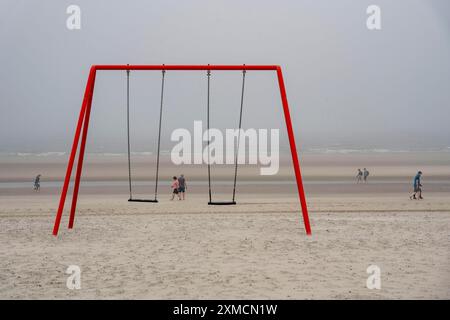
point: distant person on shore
(365, 174)
(417, 186)
(359, 176)
(37, 183)
(175, 186)
(182, 187)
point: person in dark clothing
(365, 174)
(37, 183)
(359, 176)
(182, 187)
(417, 186)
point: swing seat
(142, 200)
(221, 203)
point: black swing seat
(221, 203)
(142, 200)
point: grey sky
(346, 85)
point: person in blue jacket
(417, 186)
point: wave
(374, 150)
(36, 154)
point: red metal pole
(295, 160)
(71, 160)
(92, 75)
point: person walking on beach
(37, 183)
(417, 186)
(182, 187)
(365, 174)
(175, 186)
(359, 176)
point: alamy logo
(73, 22)
(252, 147)
(74, 280)
(374, 280)
(373, 21)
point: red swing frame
(83, 123)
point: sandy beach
(254, 250)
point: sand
(255, 250)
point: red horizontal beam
(185, 67)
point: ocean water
(315, 150)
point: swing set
(83, 125)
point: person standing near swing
(175, 186)
(182, 186)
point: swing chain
(163, 72)
(128, 134)
(239, 134)
(208, 73)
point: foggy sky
(346, 85)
